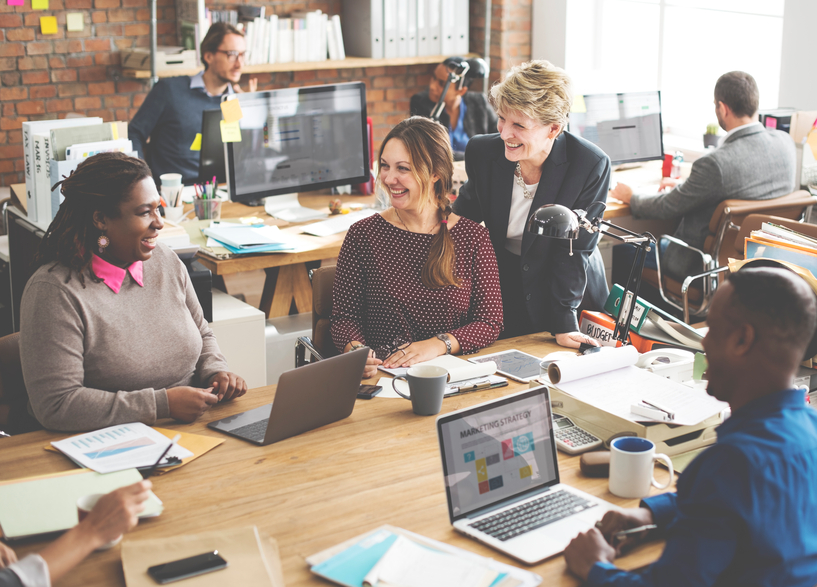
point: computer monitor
(211, 156)
(625, 126)
(297, 140)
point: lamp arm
(453, 77)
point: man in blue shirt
(171, 114)
(745, 513)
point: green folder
(39, 505)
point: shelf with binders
(348, 63)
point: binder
(448, 21)
(391, 38)
(430, 41)
(62, 138)
(461, 27)
(412, 27)
(363, 28)
(402, 28)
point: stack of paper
(397, 558)
(249, 238)
(120, 447)
(463, 377)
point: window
(678, 46)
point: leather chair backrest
(13, 389)
(789, 206)
(323, 279)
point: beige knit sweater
(94, 358)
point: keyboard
(531, 515)
(255, 431)
(337, 223)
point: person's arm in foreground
(113, 515)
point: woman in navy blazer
(533, 161)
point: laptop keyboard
(255, 431)
(532, 515)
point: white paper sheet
(458, 370)
(607, 359)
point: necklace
(407, 228)
(521, 182)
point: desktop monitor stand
(287, 207)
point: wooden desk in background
(379, 466)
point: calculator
(572, 439)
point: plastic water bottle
(676, 165)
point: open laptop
(502, 478)
(306, 398)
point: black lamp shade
(554, 221)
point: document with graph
(126, 446)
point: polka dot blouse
(379, 298)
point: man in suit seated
(744, 510)
(466, 113)
(752, 163)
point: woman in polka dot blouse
(416, 281)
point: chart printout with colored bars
(498, 453)
(116, 448)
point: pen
(624, 533)
(156, 464)
(659, 407)
(642, 409)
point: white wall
(798, 70)
(548, 31)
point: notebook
(306, 398)
(500, 467)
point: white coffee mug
(631, 467)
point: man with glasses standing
(171, 114)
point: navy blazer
(575, 174)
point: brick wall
(48, 76)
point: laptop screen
(498, 450)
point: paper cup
(170, 180)
(85, 504)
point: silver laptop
(502, 478)
(306, 398)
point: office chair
(320, 345)
(676, 290)
(14, 416)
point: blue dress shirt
(459, 138)
(745, 513)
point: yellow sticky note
(579, 107)
(48, 25)
(230, 132)
(196, 146)
(114, 131)
(39, 4)
(232, 110)
(75, 21)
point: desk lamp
(556, 221)
(462, 71)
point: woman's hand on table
(574, 340)
(417, 352)
(227, 385)
(188, 403)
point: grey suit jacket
(480, 118)
(754, 163)
(576, 174)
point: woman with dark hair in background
(416, 281)
(111, 329)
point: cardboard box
(166, 58)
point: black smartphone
(187, 567)
(368, 391)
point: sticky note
(699, 366)
(15, 2)
(230, 131)
(232, 110)
(579, 107)
(48, 25)
(75, 21)
(196, 146)
(39, 4)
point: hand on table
(587, 549)
(573, 340)
(618, 520)
(416, 352)
(228, 385)
(668, 183)
(622, 192)
(188, 403)
(7, 556)
(116, 513)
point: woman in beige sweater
(111, 329)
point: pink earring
(103, 241)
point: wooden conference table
(286, 273)
(379, 466)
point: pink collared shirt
(113, 276)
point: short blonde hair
(538, 89)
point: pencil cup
(207, 209)
(631, 467)
(84, 506)
(174, 213)
(426, 388)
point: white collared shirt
(197, 81)
(736, 129)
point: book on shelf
(192, 24)
(363, 28)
